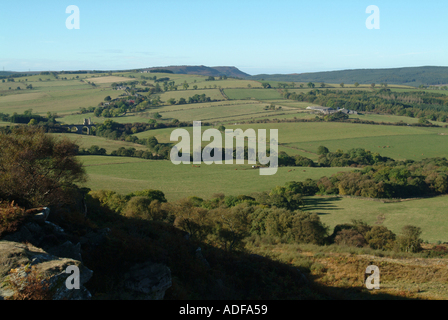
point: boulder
(16, 259)
(148, 281)
(67, 250)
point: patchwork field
(124, 175)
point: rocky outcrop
(17, 258)
(148, 281)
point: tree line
(430, 106)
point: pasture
(109, 79)
(214, 94)
(125, 175)
(62, 97)
(397, 142)
(259, 94)
(85, 141)
(429, 214)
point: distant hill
(205, 71)
(412, 76)
(5, 73)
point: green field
(125, 175)
(214, 94)
(397, 142)
(67, 100)
(259, 94)
(85, 141)
(429, 214)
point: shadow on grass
(318, 204)
(213, 274)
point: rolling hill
(205, 71)
(412, 76)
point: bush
(11, 218)
(350, 238)
(36, 169)
(31, 287)
(145, 208)
(409, 240)
(109, 199)
(322, 150)
(380, 238)
(307, 228)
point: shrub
(322, 150)
(109, 199)
(145, 208)
(11, 217)
(31, 287)
(351, 238)
(307, 228)
(36, 169)
(380, 238)
(409, 240)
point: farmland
(397, 142)
(429, 214)
(243, 100)
(135, 162)
(125, 175)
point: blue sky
(255, 36)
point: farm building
(327, 110)
(324, 110)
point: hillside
(414, 76)
(205, 71)
(6, 73)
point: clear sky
(260, 36)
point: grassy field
(214, 94)
(429, 214)
(108, 79)
(259, 94)
(65, 101)
(66, 97)
(85, 141)
(128, 118)
(125, 175)
(218, 113)
(305, 137)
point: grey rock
(20, 256)
(148, 281)
(67, 250)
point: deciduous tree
(36, 169)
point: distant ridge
(205, 71)
(410, 76)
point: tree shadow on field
(317, 204)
